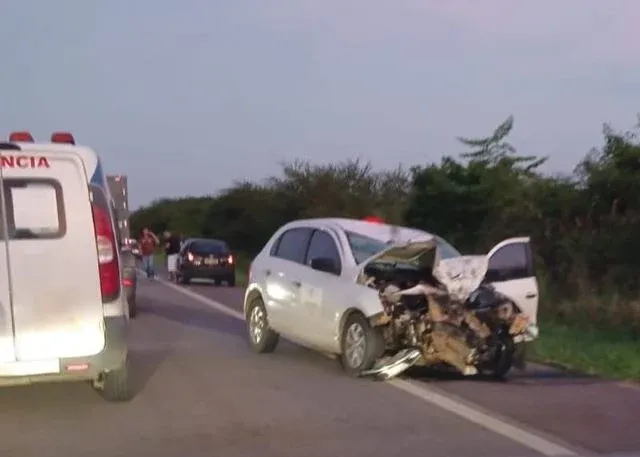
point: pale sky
(187, 96)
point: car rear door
(282, 277)
(511, 272)
(55, 284)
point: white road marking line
(487, 421)
(204, 300)
(429, 395)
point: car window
(292, 245)
(446, 250)
(35, 208)
(209, 247)
(323, 245)
(362, 247)
(510, 262)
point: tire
(503, 362)
(263, 341)
(231, 281)
(115, 384)
(217, 282)
(133, 308)
(183, 280)
(357, 328)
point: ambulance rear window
(35, 209)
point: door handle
(531, 295)
(297, 284)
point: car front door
(322, 293)
(282, 273)
(511, 272)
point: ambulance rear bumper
(113, 356)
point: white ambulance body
(63, 313)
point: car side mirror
(324, 264)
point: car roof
(378, 231)
(205, 240)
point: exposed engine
(425, 323)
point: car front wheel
(261, 337)
(362, 345)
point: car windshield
(446, 250)
(364, 247)
(206, 247)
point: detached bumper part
(392, 366)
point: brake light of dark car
(230, 259)
(21, 137)
(190, 257)
(108, 266)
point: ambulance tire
(116, 386)
(133, 308)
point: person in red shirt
(148, 243)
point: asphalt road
(202, 392)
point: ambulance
(63, 311)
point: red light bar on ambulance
(21, 137)
(62, 137)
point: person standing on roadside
(171, 249)
(148, 244)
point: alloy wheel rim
(355, 345)
(257, 324)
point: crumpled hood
(461, 275)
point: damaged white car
(384, 298)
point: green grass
(609, 353)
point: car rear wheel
(361, 344)
(261, 337)
(182, 279)
(231, 281)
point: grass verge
(609, 353)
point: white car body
(63, 309)
(310, 306)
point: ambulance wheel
(133, 308)
(116, 385)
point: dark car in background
(206, 258)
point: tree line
(584, 225)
